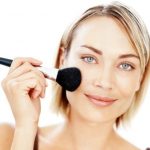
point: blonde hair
(139, 37)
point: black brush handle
(5, 61)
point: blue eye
(126, 67)
(89, 59)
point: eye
(89, 59)
(126, 66)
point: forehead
(103, 32)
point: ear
(62, 55)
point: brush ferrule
(49, 73)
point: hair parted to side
(139, 37)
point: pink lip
(100, 101)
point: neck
(89, 135)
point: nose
(104, 79)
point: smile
(100, 101)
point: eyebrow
(93, 49)
(100, 52)
(129, 55)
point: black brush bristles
(69, 78)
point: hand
(24, 86)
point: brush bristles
(69, 78)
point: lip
(100, 100)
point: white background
(34, 27)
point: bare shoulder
(6, 136)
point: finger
(24, 69)
(32, 75)
(31, 87)
(37, 91)
(42, 95)
(20, 60)
(20, 70)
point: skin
(112, 71)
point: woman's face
(110, 70)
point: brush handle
(5, 61)
(48, 73)
(69, 78)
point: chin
(93, 116)
(89, 111)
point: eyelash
(84, 58)
(95, 61)
(129, 64)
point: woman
(111, 46)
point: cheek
(127, 85)
(89, 75)
(76, 102)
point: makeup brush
(68, 78)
